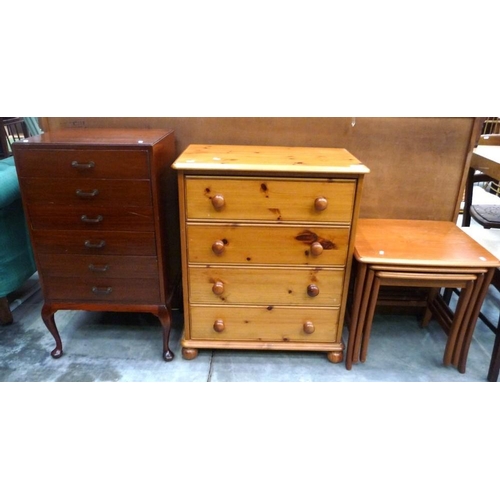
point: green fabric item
(17, 263)
(9, 184)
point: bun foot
(56, 353)
(168, 355)
(335, 356)
(189, 353)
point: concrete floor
(128, 347)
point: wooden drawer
(285, 245)
(263, 324)
(258, 286)
(280, 200)
(95, 242)
(87, 192)
(94, 266)
(135, 291)
(91, 218)
(83, 163)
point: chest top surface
(210, 158)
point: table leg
(358, 293)
(365, 332)
(461, 357)
(370, 275)
(458, 325)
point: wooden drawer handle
(219, 325)
(320, 203)
(218, 288)
(316, 248)
(98, 269)
(89, 220)
(101, 290)
(83, 166)
(312, 290)
(100, 244)
(218, 247)
(87, 194)
(218, 201)
(308, 327)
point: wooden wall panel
(417, 164)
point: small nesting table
(412, 253)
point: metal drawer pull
(86, 194)
(89, 244)
(83, 166)
(101, 290)
(98, 219)
(98, 269)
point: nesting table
(428, 254)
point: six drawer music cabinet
(100, 208)
(267, 236)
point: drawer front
(263, 324)
(270, 199)
(139, 291)
(86, 192)
(83, 163)
(91, 218)
(94, 242)
(304, 287)
(292, 245)
(98, 266)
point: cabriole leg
(165, 318)
(48, 319)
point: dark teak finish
(100, 207)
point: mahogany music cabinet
(98, 203)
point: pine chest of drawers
(96, 204)
(267, 236)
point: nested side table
(411, 253)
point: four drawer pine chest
(103, 216)
(267, 236)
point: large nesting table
(426, 254)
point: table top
(210, 157)
(487, 159)
(418, 243)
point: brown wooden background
(418, 165)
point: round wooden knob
(218, 247)
(219, 325)
(218, 201)
(316, 248)
(308, 327)
(312, 290)
(320, 203)
(218, 288)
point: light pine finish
(267, 238)
(431, 254)
(276, 200)
(102, 220)
(288, 286)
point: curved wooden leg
(189, 353)
(48, 319)
(335, 356)
(165, 317)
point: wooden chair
(11, 129)
(485, 214)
